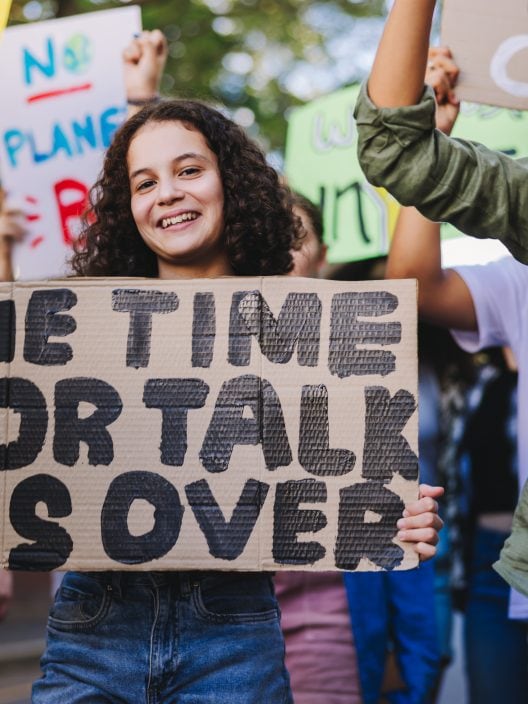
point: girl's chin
(181, 257)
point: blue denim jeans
(496, 646)
(395, 607)
(176, 638)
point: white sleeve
(497, 290)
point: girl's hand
(143, 63)
(12, 229)
(12, 226)
(420, 523)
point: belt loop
(185, 584)
(116, 583)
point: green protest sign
(498, 128)
(321, 163)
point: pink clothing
(320, 653)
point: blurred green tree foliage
(256, 57)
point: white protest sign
(231, 424)
(63, 98)
(489, 41)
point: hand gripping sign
(233, 424)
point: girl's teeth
(166, 222)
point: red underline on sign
(38, 240)
(58, 92)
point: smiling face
(177, 200)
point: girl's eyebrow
(181, 157)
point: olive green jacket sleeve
(513, 563)
(482, 192)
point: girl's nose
(169, 192)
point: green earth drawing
(78, 53)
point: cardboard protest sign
(66, 97)
(489, 41)
(232, 424)
(321, 163)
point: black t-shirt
(489, 444)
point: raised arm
(397, 76)
(143, 62)
(443, 296)
(12, 230)
(482, 192)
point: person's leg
(320, 652)
(369, 611)
(98, 642)
(230, 645)
(414, 631)
(443, 600)
(496, 647)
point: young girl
(183, 193)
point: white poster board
(66, 97)
(489, 41)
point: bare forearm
(397, 77)
(443, 296)
(415, 248)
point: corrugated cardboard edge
(261, 458)
(4, 561)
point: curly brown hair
(260, 228)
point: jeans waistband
(181, 583)
(121, 582)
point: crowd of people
(184, 193)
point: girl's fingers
(424, 505)
(13, 213)
(422, 520)
(12, 226)
(132, 52)
(419, 535)
(432, 491)
(424, 551)
(158, 41)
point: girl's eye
(144, 185)
(190, 171)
